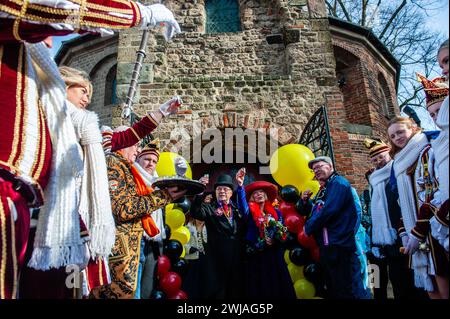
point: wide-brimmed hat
(270, 189)
(224, 180)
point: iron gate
(316, 135)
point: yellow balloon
(166, 165)
(181, 234)
(286, 257)
(304, 289)
(183, 253)
(170, 207)
(295, 271)
(175, 218)
(289, 165)
(312, 185)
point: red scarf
(142, 189)
(257, 214)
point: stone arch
(351, 78)
(182, 137)
(385, 97)
(111, 86)
(102, 76)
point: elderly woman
(267, 275)
(419, 196)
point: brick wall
(366, 77)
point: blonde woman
(418, 197)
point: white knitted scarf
(157, 215)
(382, 231)
(95, 202)
(441, 150)
(57, 242)
(402, 161)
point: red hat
(270, 189)
(436, 90)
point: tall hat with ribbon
(375, 147)
(152, 148)
(436, 90)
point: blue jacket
(337, 212)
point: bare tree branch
(394, 15)
(364, 12)
(344, 10)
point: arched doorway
(226, 150)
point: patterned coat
(128, 208)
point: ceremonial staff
(127, 111)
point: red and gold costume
(128, 209)
(25, 144)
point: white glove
(171, 106)
(412, 246)
(126, 112)
(180, 166)
(158, 14)
(405, 239)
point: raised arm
(35, 20)
(241, 198)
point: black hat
(224, 180)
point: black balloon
(180, 267)
(313, 273)
(158, 294)
(184, 204)
(299, 256)
(167, 230)
(300, 209)
(173, 249)
(290, 194)
(291, 241)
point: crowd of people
(75, 194)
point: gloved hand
(405, 239)
(171, 106)
(158, 14)
(412, 246)
(180, 166)
(126, 112)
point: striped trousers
(14, 230)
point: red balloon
(163, 265)
(170, 283)
(286, 208)
(306, 241)
(180, 294)
(315, 254)
(293, 222)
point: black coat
(226, 247)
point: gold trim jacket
(128, 207)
